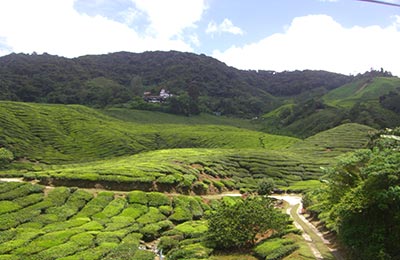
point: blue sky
(345, 36)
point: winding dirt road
(320, 247)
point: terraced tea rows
(69, 223)
(60, 134)
(183, 170)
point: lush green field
(361, 91)
(69, 223)
(335, 141)
(59, 133)
(79, 146)
(183, 170)
(150, 117)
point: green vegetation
(56, 133)
(237, 225)
(69, 223)
(361, 200)
(6, 157)
(370, 99)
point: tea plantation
(146, 172)
(70, 223)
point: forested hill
(197, 81)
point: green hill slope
(59, 133)
(369, 101)
(211, 170)
(361, 91)
(335, 141)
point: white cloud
(55, 27)
(170, 18)
(226, 26)
(319, 42)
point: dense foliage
(203, 83)
(236, 224)
(362, 199)
(371, 99)
(6, 157)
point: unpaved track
(294, 209)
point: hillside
(204, 83)
(59, 133)
(97, 149)
(372, 101)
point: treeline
(199, 83)
(361, 201)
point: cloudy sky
(346, 36)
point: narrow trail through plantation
(320, 247)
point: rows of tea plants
(184, 170)
(55, 134)
(70, 223)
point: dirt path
(320, 247)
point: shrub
(166, 210)
(85, 239)
(135, 211)
(6, 157)
(96, 205)
(192, 251)
(58, 195)
(181, 215)
(237, 225)
(21, 191)
(143, 255)
(137, 197)
(150, 231)
(281, 252)
(59, 251)
(167, 243)
(92, 225)
(93, 253)
(157, 199)
(29, 200)
(200, 188)
(8, 206)
(268, 246)
(266, 186)
(114, 207)
(110, 237)
(192, 229)
(122, 251)
(7, 186)
(57, 226)
(152, 216)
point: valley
(100, 173)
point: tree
(266, 186)
(6, 157)
(362, 200)
(237, 225)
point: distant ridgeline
(297, 103)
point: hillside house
(157, 99)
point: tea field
(70, 223)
